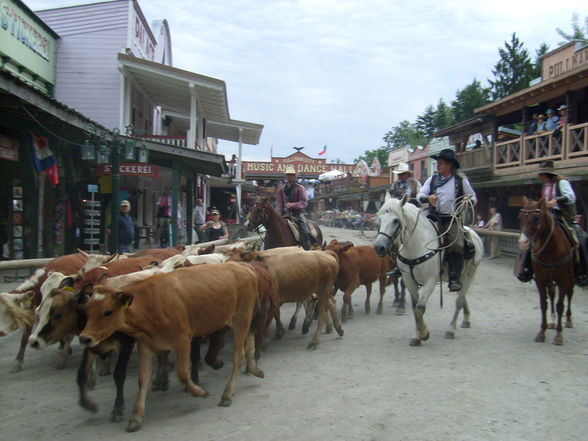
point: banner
(44, 158)
(305, 166)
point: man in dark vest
(560, 198)
(291, 199)
(442, 191)
(406, 184)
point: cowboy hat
(541, 116)
(548, 111)
(290, 170)
(447, 155)
(548, 168)
(215, 211)
(403, 167)
(125, 203)
(562, 107)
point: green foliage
(469, 98)
(402, 135)
(369, 155)
(543, 49)
(425, 123)
(514, 70)
(577, 32)
(443, 115)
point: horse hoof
(133, 426)
(379, 310)
(426, 337)
(569, 325)
(292, 326)
(16, 367)
(312, 346)
(368, 309)
(558, 341)
(225, 402)
(305, 329)
(89, 405)
(258, 373)
(116, 416)
(340, 331)
(215, 364)
(400, 311)
(450, 335)
(415, 342)
(465, 324)
(540, 339)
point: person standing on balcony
(552, 120)
(533, 125)
(405, 184)
(494, 224)
(563, 115)
(540, 124)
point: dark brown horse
(552, 256)
(277, 231)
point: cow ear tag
(126, 303)
(68, 288)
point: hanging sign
(130, 170)
(8, 148)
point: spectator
(533, 125)
(479, 221)
(199, 219)
(563, 115)
(540, 124)
(552, 120)
(216, 229)
(494, 224)
(126, 229)
(405, 184)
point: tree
(543, 49)
(425, 123)
(577, 32)
(443, 116)
(369, 155)
(514, 70)
(402, 135)
(469, 98)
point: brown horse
(277, 231)
(552, 256)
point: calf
(358, 266)
(198, 301)
(68, 264)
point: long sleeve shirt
(565, 190)
(299, 200)
(552, 123)
(446, 193)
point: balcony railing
(176, 141)
(568, 143)
(475, 158)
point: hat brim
(396, 172)
(445, 158)
(545, 172)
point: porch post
(124, 117)
(190, 209)
(193, 132)
(238, 175)
(176, 181)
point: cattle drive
(167, 302)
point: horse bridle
(532, 239)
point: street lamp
(98, 147)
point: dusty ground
(491, 383)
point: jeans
(125, 248)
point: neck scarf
(440, 181)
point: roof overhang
(170, 88)
(191, 160)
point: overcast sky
(341, 73)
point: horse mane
(392, 206)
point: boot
(304, 241)
(455, 262)
(523, 267)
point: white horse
(419, 260)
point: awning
(169, 87)
(188, 159)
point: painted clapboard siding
(87, 69)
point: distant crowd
(549, 121)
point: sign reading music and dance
(304, 165)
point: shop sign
(8, 148)
(563, 60)
(303, 164)
(26, 42)
(130, 170)
(397, 156)
(142, 44)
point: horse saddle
(294, 227)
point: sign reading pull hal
(130, 170)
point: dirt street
(491, 383)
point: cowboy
(405, 184)
(561, 199)
(291, 199)
(442, 191)
(552, 120)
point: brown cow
(265, 308)
(358, 266)
(198, 301)
(68, 264)
(160, 253)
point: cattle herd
(174, 299)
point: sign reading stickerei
(130, 170)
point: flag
(44, 158)
(323, 151)
(272, 151)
